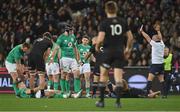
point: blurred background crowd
(27, 20)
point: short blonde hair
(111, 7)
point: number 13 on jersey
(116, 29)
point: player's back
(114, 29)
(40, 46)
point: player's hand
(97, 48)
(141, 29)
(20, 69)
(127, 53)
(80, 63)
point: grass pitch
(8, 102)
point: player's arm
(100, 39)
(128, 48)
(46, 53)
(59, 53)
(19, 67)
(129, 40)
(145, 35)
(77, 54)
(157, 28)
(55, 50)
(76, 51)
(88, 56)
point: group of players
(64, 56)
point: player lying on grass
(137, 93)
(23, 92)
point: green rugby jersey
(67, 45)
(83, 50)
(20, 92)
(15, 54)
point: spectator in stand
(31, 18)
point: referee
(157, 59)
(111, 35)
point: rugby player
(69, 61)
(111, 35)
(85, 67)
(13, 60)
(52, 67)
(36, 59)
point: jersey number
(116, 29)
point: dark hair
(68, 27)
(26, 45)
(47, 34)
(111, 7)
(86, 36)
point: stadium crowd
(26, 20)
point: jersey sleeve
(102, 27)
(126, 27)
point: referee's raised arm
(157, 28)
(145, 35)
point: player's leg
(96, 78)
(111, 91)
(118, 75)
(95, 84)
(32, 71)
(11, 70)
(41, 79)
(62, 81)
(163, 86)
(56, 80)
(153, 94)
(64, 64)
(55, 72)
(31, 79)
(151, 75)
(149, 84)
(76, 73)
(49, 74)
(67, 85)
(87, 73)
(102, 85)
(50, 81)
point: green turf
(8, 102)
